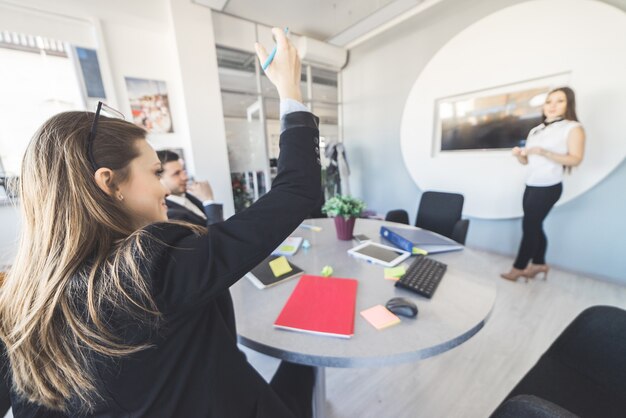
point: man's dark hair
(167, 156)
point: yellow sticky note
(286, 248)
(395, 272)
(280, 266)
(380, 317)
(419, 251)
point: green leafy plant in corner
(346, 206)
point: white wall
(585, 234)
(139, 39)
(475, 60)
(149, 54)
(195, 53)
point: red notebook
(320, 305)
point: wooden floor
(472, 379)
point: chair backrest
(439, 212)
(584, 370)
(397, 215)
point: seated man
(197, 206)
(200, 210)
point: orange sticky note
(280, 266)
(380, 317)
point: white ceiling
(319, 19)
(336, 21)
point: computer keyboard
(423, 276)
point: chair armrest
(459, 232)
(529, 406)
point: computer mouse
(402, 306)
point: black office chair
(583, 373)
(439, 212)
(399, 215)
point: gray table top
(457, 311)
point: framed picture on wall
(494, 118)
(149, 104)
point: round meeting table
(457, 310)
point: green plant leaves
(346, 206)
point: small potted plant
(345, 209)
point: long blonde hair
(77, 262)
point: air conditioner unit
(320, 53)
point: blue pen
(269, 59)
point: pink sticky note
(380, 317)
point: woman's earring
(120, 197)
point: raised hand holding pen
(269, 59)
(284, 70)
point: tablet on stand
(379, 254)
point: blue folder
(413, 240)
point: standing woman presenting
(555, 146)
(110, 310)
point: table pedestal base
(319, 393)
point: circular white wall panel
(583, 39)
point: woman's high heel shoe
(534, 269)
(515, 274)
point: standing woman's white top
(552, 137)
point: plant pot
(344, 227)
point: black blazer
(213, 212)
(194, 368)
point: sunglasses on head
(108, 111)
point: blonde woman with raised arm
(110, 310)
(557, 145)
